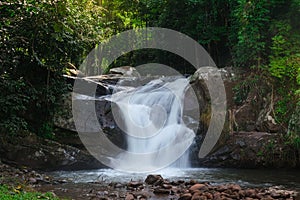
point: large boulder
(198, 82)
(250, 132)
(42, 154)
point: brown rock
(129, 197)
(167, 186)
(198, 186)
(209, 195)
(275, 195)
(199, 196)
(250, 193)
(235, 195)
(222, 188)
(161, 191)
(113, 195)
(134, 184)
(242, 193)
(226, 198)
(267, 198)
(260, 195)
(235, 187)
(217, 196)
(186, 196)
(142, 194)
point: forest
(41, 40)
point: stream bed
(288, 179)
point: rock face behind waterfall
(251, 138)
(247, 122)
(42, 154)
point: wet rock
(242, 193)
(222, 188)
(32, 180)
(152, 179)
(134, 184)
(129, 197)
(186, 196)
(208, 195)
(167, 186)
(118, 185)
(198, 196)
(217, 195)
(161, 191)
(234, 187)
(198, 186)
(250, 193)
(142, 195)
(180, 182)
(113, 195)
(125, 71)
(267, 198)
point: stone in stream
(152, 179)
(186, 196)
(234, 187)
(129, 197)
(161, 191)
(134, 184)
(167, 186)
(198, 186)
(198, 196)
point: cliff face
(251, 137)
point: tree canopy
(39, 38)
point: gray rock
(125, 71)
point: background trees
(39, 38)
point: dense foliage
(39, 38)
(262, 36)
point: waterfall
(152, 118)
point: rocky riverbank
(153, 187)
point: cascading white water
(151, 116)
